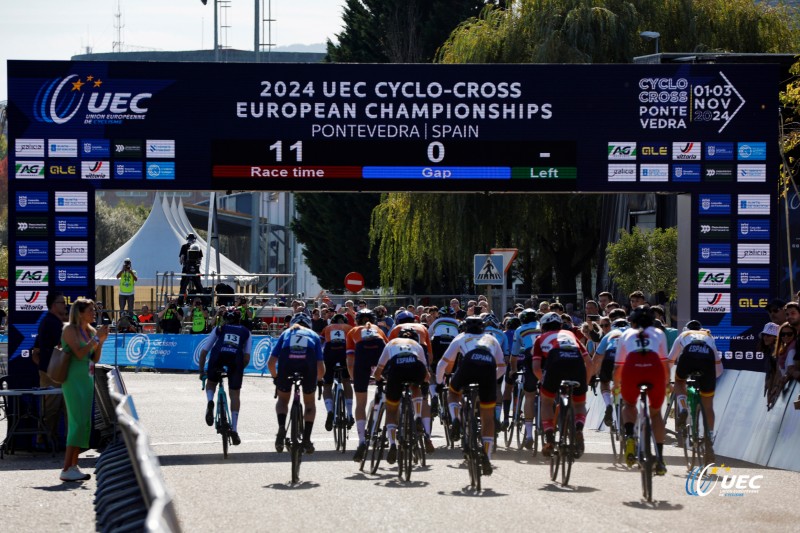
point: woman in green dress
(84, 344)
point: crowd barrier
(745, 429)
(173, 352)
(131, 493)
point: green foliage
(645, 261)
(790, 132)
(115, 225)
(333, 229)
(4, 262)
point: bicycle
(410, 446)
(222, 416)
(565, 449)
(615, 430)
(375, 431)
(444, 411)
(516, 426)
(471, 435)
(645, 444)
(339, 413)
(695, 443)
(294, 439)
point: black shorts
(700, 359)
(216, 365)
(287, 367)
(529, 379)
(607, 367)
(438, 347)
(564, 365)
(399, 373)
(333, 355)
(480, 372)
(366, 358)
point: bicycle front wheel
(646, 460)
(379, 442)
(405, 439)
(222, 406)
(369, 436)
(340, 422)
(473, 451)
(569, 447)
(296, 429)
(444, 418)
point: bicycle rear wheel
(224, 428)
(379, 443)
(444, 417)
(568, 456)
(704, 440)
(340, 421)
(508, 434)
(405, 438)
(472, 441)
(646, 459)
(370, 434)
(296, 447)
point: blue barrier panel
(173, 352)
(3, 339)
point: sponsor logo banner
(128, 171)
(28, 276)
(29, 148)
(127, 148)
(753, 278)
(714, 253)
(715, 228)
(751, 173)
(752, 254)
(162, 149)
(688, 151)
(714, 302)
(62, 148)
(752, 151)
(718, 172)
(166, 171)
(622, 151)
(621, 172)
(752, 303)
(71, 276)
(654, 173)
(32, 251)
(29, 170)
(95, 170)
(31, 301)
(32, 202)
(72, 227)
(72, 250)
(72, 202)
(714, 278)
(754, 204)
(97, 148)
(714, 204)
(62, 171)
(753, 230)
(32, 227)
(686, 173)
(719, 151)
(654, 151)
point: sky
(59, 29)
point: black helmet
(473, 324)
(339, 318)
(404, 317)
(642, 316)
(527, 316)
(191, 237)
(694, 325)
(491, 320)
(408, 333)
(232, 315)
(447, 311)
(302, 319)
(513, 322)
(365, 315)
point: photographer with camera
(127, 280)
(190, 257)
(170, 318)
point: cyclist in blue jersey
(603, 360)
(521, 352)
(230, 346)
(298, 350)
(441, 332)
(491, 325)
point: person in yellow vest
(246, 312)
(198, 317)
(127, 281)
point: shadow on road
(244, 458)
(655, 506)
(469, 492)
(303, 485)
(361, 476)
(569, 489)
(63, 487)
(397, 484)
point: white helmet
(550, 318)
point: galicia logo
(59, 101)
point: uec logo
(55, 105)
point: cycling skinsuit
(298, 350)
(641, 359)
(227, 345)
(562, 357)
(481, 362)
(334, 349)
(695, 352)
(365, 344)
(403, 361)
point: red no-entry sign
(354, 282)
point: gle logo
(59, 100)
(700, 482)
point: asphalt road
(251, 490)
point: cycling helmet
(404, 317)
(447, 311)
(527, 316)
(232, 315)
(301, 319)
(513, 322)
(550, 318)
(473, 324)
(642, 316)
(408, 333)
(491, 320)
(365, 315)
(693, 325)
(620, 323)
(339, 318)
(191, 237)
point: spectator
(147, 319)
(556, 307)
(767, 344)
(170, 318)
(544, 307)
(102, 315)
(784, 357)
(128, 323)
(317, 322)
(460, 314)
(661, 323)
(384, 321)
(603, 300)
(636, 299)
(776, 311)
(198, 318)
(610, 306)
(190, 257)
(127, 283)
(48, 337)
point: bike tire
(296, 422)
(406, 439)
(568, 457)
(508, 434)
(612, 431)
(380, 442)
(368, 437)
(620, 434)
(647, 460)
(340, 422)
(444, 418)
(470, 440)
(704, 438)
(223, 424)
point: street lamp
(651, 36)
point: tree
(645, 261)
(114, 226)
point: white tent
(154, 248)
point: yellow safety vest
(198, 320)
(126, 283)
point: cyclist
(603, 360)
(297, 350)
(334, 344)
(521, 351)
(365, 343)
(491, 325)
(694, 352)
(558, 355)
(442, 332)
(482, 363)
(403, 360)
(230, 346)
(642, 358)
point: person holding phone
(127, 281)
